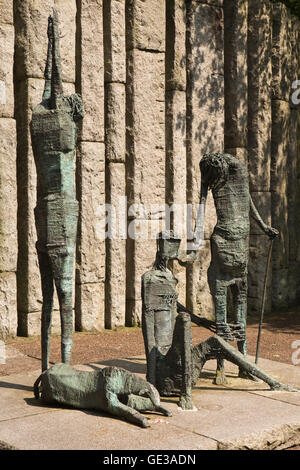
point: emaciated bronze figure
(167, 333)
(53, 134)
(227, 178)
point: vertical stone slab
(145, 25)
(90, 68)
(235, 73)
(145, 124)
(293, 198)
(8, 305)
(281, 53)
(115, 286)
(259, 94)
(8, 228)
(146, 134)
(115, 152)
(281, 89)
(115, 145)
(90, 168)
(292, 182)
(8, 196)
(28, 93)
(205, 119)
(7, 14)
(90, 266)
(204, 300)
(114, 41)
(7, 34)
(259, 139)
(175, 45)
(30, 23)
(293, 159)
(176, 127)
(115, 122)
(8, 186)
(89, 306)
(91, 171)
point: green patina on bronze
(173, 364)
(53, 135)
(227, 178)
(113, 390)
(167, 334)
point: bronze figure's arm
(270, 231)
(198, 240)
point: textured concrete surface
(242, 415)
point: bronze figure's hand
(271, 232)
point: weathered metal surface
(173, 364)
(113, 390)
(167, 334)
(53, 135)
(227, 178)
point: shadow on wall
(205, 75)
(256, 71)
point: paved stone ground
(279, 333)
(239, 416)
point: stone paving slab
(238, 415)
(77, 430)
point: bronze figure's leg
(145, 404)
(115, 407)
(216, 346)
(148, 320)
(47, 291)
(220, 300)
(62, 265)
(182, 336)
(239, 294)
(64, 292)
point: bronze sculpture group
(173, 364)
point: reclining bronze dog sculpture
(112, 389)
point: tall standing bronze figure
(227, 178)
(53, 135)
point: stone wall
(163, 81)
(8, 183)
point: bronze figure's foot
(185, 403)
(220, 378)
